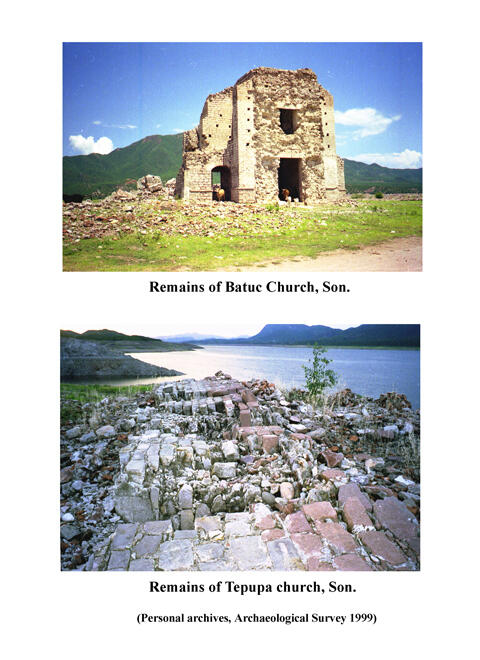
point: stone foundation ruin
(272, 131)
(222, 475)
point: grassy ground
(263, 238)
(95, 392)
(73, 396)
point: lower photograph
(279, 447)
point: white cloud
(404, 159)
(370, 121)
(88, 145)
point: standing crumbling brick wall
(273, 130)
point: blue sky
(117, 93)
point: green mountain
(360, 177)
(161, 155)
(127, 343)
(399, 336)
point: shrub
(379, 195)
(319, 377)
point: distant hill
(399, 336)
(161, 155)
(127, 343)
(360, 177)
(191, 337)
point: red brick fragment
(245, 418)
(356, 516)
(333, 474)
(351, 563)
(352, 490)
(310, 545)
(336, 536)
(320, 511)
(272, 534)
(269, 443)
(296, 523)
(332, 459)
(379, 545)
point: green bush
(319, 377)
(379, 195)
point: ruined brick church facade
(274, 129)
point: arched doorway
(221, 179)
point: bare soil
(397, 255)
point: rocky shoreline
(81, 359)
(222, 475)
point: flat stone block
(284, 555)
(209, 526)
(141, 565)
(119, 560)
(185, 534)
(158, 527)
(351, 563)
(249, 553)
(237, 528)
(124, 535)
(336, 536)
(147, 546)
(241, 515)
(356, 516)
(380, 546)
(320, 511)
(394, 516)
(245, 418)
(296, 523)
(186, 519)
(175, 555)
(265, 523)
(272, 534)
(136, 470)
(309, 545)
(352, 490)
(209, 551)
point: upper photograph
(236, 157)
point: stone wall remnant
(272, 131)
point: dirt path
(397, 255)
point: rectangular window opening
(288, 120)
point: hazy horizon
(225, 331)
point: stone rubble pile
(146, 212)
(222, 475)
(149, 185)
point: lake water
(370, 372)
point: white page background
(77, 615)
